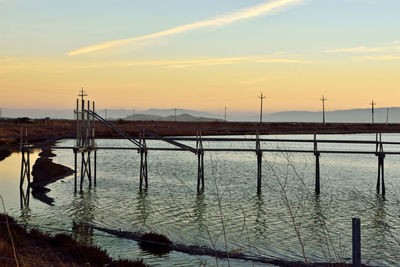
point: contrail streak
(246, 13)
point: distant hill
(180, 117)
(352, 115)
(171, 112)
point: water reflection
(378, 221)
(199, 209)
(143, 205)
(261, 218)
(320, 233)
(83, 211)
(24, 204)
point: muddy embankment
(45, 172)
(34, 248)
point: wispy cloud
(254, 11)
(359, 49)
(185, 63)
(363, 49)
(378, 58)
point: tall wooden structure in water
(85, 140)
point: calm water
(229, 215)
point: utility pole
(323, 99)
(261, 98)
(387, 115)
(225, 114)
(372, 110)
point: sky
(203, 55)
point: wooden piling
(200, 162)
(317, 169)
(82, 169)
(141, 170)
(28, 174)
(89, 168)
(21, 181)
(200, 170)
(75, 169)
(356, 242)
(259, 171)
(378, 182)
(259, 163)
(317, 174)
(95, 166)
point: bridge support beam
(317, 174)
(317, 171)
(200, 170)
(259, 163)
(85, 169)
(75, 168)
(143, 168)
(381, 174)
(259, 171)
(95, 167)
(25, 168)
(381, 165)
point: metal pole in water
(356, 238)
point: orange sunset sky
(204, 55)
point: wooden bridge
(86, 118)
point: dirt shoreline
(45, 172)
(33, 248)
(39, 131)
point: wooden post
(200, 162)
(381, 165)
(259, 164)
(75, 168)
(82, 169)
(77, 124)
(383, 174)
(356, 236)
(95, 166)
(88, 167)
(200, 170)
(21, 181)
(378, 185)
(141, 169)
(317, 173)
(259, 171)
(145, 168)
(317, 170)
(28, 174)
